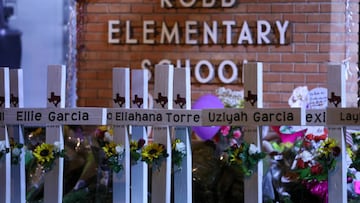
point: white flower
(108, 137)
(57, 146)
(229, 97)
(2, 146)
(354, 148)
(306, 156)
(357, 175)
(16, 151)
(119, 149)
(180, 147)
(253, 149)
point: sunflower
(153, 152)
(44, 153)
(327, 146)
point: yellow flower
(103, 128)
(350, 152)
(152, 151)
(133, 145)
(327, 146)
(235, 157)
(110, 149)
(44, 153)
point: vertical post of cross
(182, 100)
(163, 95)
(337, 98)
(17, 170)
(121, 99)
(56, 82)
(139, 171)
(253, 95)
(5, 160)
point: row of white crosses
(172, 108)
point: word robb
(192, 3)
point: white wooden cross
(337, 98)
(253, 95)
(5, 161)
(182, 100)
(15, 131)
(56, 81)
(139, 171)
(121, 99)
(163, 97)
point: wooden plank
(121, 99)
(53, 180)
(253, 117)
(163, 96)
(253, 94)
(337, 98)
(316, 117)
(56, 116)
(154, 117)
(15, 131)
(343, 116)
(182, 100)
(139, 171)
(5, 161)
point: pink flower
(237, 134)
(225, 130)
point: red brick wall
(318, 34)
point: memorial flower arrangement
(16, 151)
(245, 156)
(46, 154)
(178, 152)
(113, 156)
(104, 134)
(135, 150)
(154, 154)
(229, 135)
(313, 163)
(3, 149)
(353, 162)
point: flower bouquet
(154, 154)
(113, 156)
(178, 153)
(314, 162)
(245, 156)
(16, 150)
(46, 154)
(229, 135)
(135, 150)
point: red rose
(300, 163)
(316, 169)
